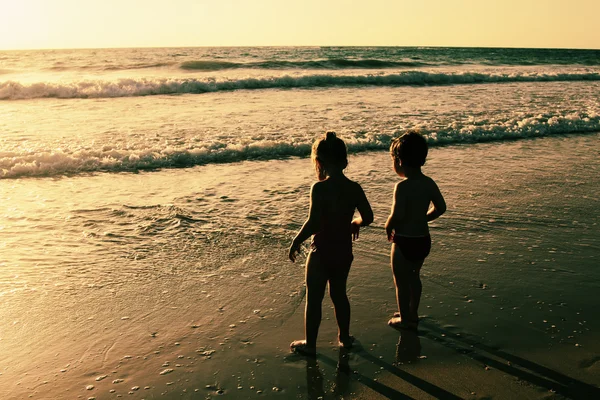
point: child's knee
(338, 297)
(314, 303)
(402, 273)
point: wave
(111, 159)
(11, 90)
(340, 63)
(58, 67)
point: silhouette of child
(333, 200)
(407, 226)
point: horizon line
(298, 46)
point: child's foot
(415, 319)
(397, 322)
(346, 343)
(300, 347)
(397, 314)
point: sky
(58, 24)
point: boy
(407, 226)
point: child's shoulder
(430, 180)
(355, 185)
(352, 186)
(415, 184)
(317, 186)
(322, 185)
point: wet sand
(508, 308)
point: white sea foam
(108, 158)
(11, 90)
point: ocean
(146, 191)
(66, 112)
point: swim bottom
(413, 248)
(336, 262)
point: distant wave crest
(110, 67)
(112, 159)
(11, 90)
(340, 63)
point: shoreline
(507, 302)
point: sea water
(166, 184)
(74, 115)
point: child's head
(409, 150)
(329, 153)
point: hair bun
(330, 135)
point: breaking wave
(11, 90)
(113, 159)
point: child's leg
(341, 305)
(401, 281)
(316, 281)
(416, 288)
(408, 288)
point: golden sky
(35, 24)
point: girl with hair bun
(331, 223)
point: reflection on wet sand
(315, 381)
(409, 347)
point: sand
(508, 307)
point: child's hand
(390, 233)
(294, 251)
(355, 229)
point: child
(333, 200)
(407, 225)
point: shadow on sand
(516, 366)
(408, 350)
(344, 374)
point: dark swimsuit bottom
(336, 260)
(413, 248)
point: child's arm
(365, 211)
(311, 224)
(397, 213)
(439, 204)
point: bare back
(337, 198)
(412, 200)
